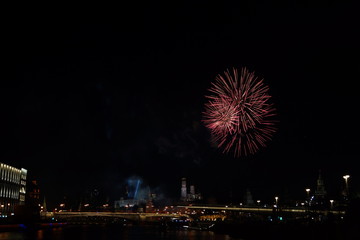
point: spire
(44, 205)
(80, 206)
(320, 188)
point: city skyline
(89, 104)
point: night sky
(88, 102)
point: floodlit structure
(183, 189)
(136, 198)
(319, 199)
(188, 196)
(12, 188)
(248, 199)
(320, 192)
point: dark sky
(87, 102)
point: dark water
(97, 232)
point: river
(98, 232)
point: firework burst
(238, 112)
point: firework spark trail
(238, 113)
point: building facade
(183, 189)
(319, 200)
(12, 188)
(320, 191)
(188, 196)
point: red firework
(238, 112)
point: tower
(44, 205)
(192, 189)
(320, 188)
(320, 193)
(183, 189)
(192, 196)
(248, 198)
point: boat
(199, 226)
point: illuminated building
(183, 189)
(192, 189)
(320, 192)
(193, 196)
(319, 200)
(33, 193)
(12, 188)
(189, 197)
(137, 196)
(128, 203)
(248, 199)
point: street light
(331, 204)
(346, 177)
(307, 196)
(276, 201)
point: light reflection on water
(11, 236)
(110, 233)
